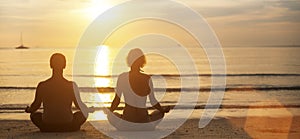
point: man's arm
(77, 100)
(36, 104)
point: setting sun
(96, 7)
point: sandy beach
(218, 128)
(279, 123)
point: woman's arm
(153, 100)
(115, 103)
(157, 105)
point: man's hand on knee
(27, 109)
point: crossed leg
(78, 120)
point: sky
(61, 23)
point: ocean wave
(195, 75)
(204, 89)
(19, 108)
(179, 75)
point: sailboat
(22, 46)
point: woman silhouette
(136, 87)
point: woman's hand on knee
(167, 109)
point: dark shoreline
(203, 89)
(20, 108)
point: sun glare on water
(97, 115)
(102, 67)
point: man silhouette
(57, 95)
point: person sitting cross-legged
(57, 95)
(136, 87)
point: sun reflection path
(102, 67)
(97, 115)
(101, 73)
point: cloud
(292, 5)
(45, 9)
(226, 16)
(252, 12)
(242, 12)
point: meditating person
(136, 87)
(57, 95)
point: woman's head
(136, 58)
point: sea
(256, 77)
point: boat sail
(21, 41)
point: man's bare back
(57, 95)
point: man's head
(57, 61)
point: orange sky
(60, 23)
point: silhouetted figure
(136, 87)
(57, 95)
